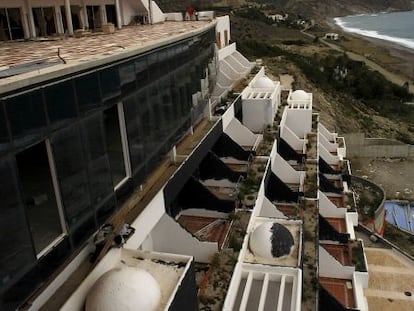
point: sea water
(397, 27)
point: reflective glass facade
(155, 91)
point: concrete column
(84, 13)
(58, 20)
(69, 17)
(30, 18)
(118, 14)
(102, 12)
(25, 23)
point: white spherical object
(124, 289)
(271, 240)
(299, 95)
(264, 82)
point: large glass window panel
(26, 116)
(60, 101)
(110, 84)
(98, 163)
(141, 71)
(127, 77)
(39, 195)
(72, 174)
(88, 92)
(134, 126)
(153, 67)
(4, 135)
(114, 145)
(16, 251)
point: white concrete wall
(240, 134)
(267, 209)
(256, 114)
(157, 15)
(351, 221)
(283, 170)
(324, 131)
(146, 221)
(174, 16)
(331, 147)
(169, 237)
(360, 281)
(331, 268)
(226, 51)
(223, 24)
(329, 209)
(327, 156)
(299, 121)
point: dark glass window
(153, 67)
(60, 101)
(98, 163)
(4, 135)
(72, 174)
(127, 77)
(27, 116)
(114, 144)
(110, 84)
(141, 71)
(39, 195)
(16, 251)
(88, 92)
(134, 126)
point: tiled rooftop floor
(338, 223)
(217, 233)
(339, 289)
(72, 49)
(340, 252)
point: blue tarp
(401, 214)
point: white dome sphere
(299, 95)
(271, 240)
(264, 82)
(124, 289)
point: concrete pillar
(25, 23)
(58, 20)
(102, 12)
(84, 13)
(118, 14)
(69, 17)
(30, 19)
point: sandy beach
(393, 57)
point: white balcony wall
(148, 218)
(342, 149)
(290, 137)
(157, 15)
(329, 267)
(257, 114)
(227, 50)
(324, 131)
(329, 209)
(351, 221)
(299, 121)
(222, 26)
(360, 281)
(267, 209)
(331, 147)
(240, 133)
(169, 237)
(284, 171)
(327, 156)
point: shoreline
(402, 63)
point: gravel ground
(395, 176)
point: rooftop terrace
(85, 52)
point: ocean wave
(409, 43)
